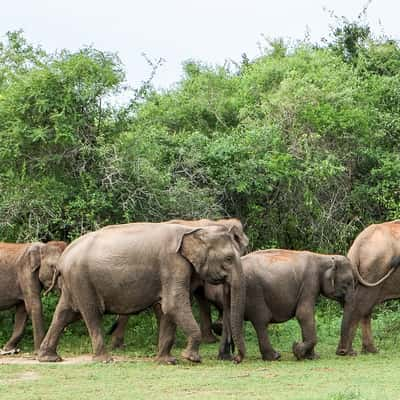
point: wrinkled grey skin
(128, 268)
(26, 269)
(283, 284)
(375, 255)
(236, 228)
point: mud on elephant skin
(375, 256)
(25, 270)
(283, 284)
(235, 228)
(126, 269)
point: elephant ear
(34, 256)
(193, 248)
(237, 237)
(330, 274)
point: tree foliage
(301, 143)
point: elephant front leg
(306, 319)
(33, 305)
(205, 320)
(226, 348)
(21, 317)
(178, 308)
(226, 344)
(63, 315)
(34, 309)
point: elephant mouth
(216, 281)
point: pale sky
(208, 30)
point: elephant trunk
(345, 329)
(238, 301)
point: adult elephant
(283, 284)
(235, 226)
(25, 269)
(375, 255)
(128, 268)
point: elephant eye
(229, 258)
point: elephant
(128, 268)
(375, 255)
(27, 268)
(242, 241)
(283, 284)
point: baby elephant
(26, 268)
(282, 284)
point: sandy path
(81, 359)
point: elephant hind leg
(118, 332)
(166, 339)
(21, 317)
(367, 339)
(93, 318)
(63, 316)
(359, 311)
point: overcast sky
(176, 30)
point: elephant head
(338, 280)
(213, 254)
(44, 257)
(235, 227)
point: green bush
(302, 143)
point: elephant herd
(125, 269)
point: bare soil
(81, 359)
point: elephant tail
(393, 265)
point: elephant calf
(282, 284)
(24, 270)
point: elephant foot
(104, 358)
(238, 359)
(48, 357)
(369, 349)
(209, 338)
(299, 350)
(191, 356)
(217, 328)
(9, 352)
(168, 360)
(345, 352)
(271, 356)
(312, 356)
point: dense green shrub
(301, 143)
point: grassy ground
(331, 377)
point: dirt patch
(81, 359)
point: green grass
(365, 377)
(330, 378)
